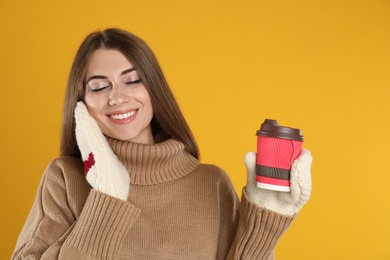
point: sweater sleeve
(59, 228)
(258, 231)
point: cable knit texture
(103, 169)
(177, 208)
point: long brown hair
(168, 120)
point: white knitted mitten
(285, 203)
(103, 170)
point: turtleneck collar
(150, 164)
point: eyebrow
(104, 77)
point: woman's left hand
(286, 203)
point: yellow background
(322, 66)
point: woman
(128, 184)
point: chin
(126, 138)
(143, 137)
(134, 139)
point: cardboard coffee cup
(277, 148)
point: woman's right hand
(102, 168)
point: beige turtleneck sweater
(177, 209)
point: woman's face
(117, 99)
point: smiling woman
(117, 99)
(167, 122)
(122, 128)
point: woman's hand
(286, 203)
(102, 168)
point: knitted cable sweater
(177, 209)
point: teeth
(123, 116)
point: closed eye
(137, 81)
(96, 85)
(99, 89)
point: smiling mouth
(123, 116)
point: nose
(117, 96)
